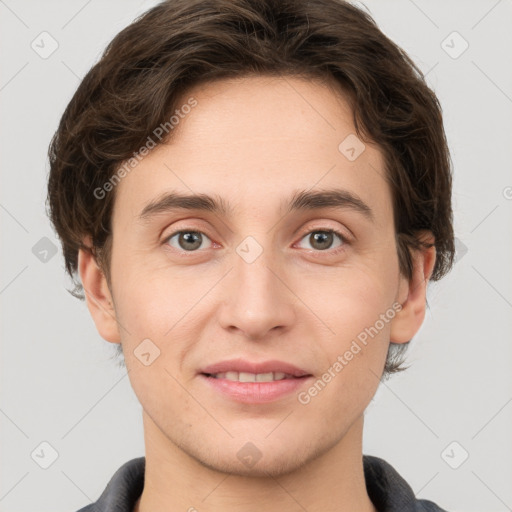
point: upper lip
(242, 365)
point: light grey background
(59, 383)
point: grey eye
(187, 240)
(322, 240)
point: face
(265, 285)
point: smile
(252, 377)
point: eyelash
(339, 234)
(337, 250)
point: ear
(97, 295)
(413, 293)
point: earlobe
(98, 296)
(413, 293)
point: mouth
(252, 377)
(240, 369)
(254, 383)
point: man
(254, 195)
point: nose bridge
(257, 301)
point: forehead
(253, 140)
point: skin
(254, 141)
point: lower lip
(256, 392)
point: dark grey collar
(388, 491)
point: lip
(255, 392)
(242, 365)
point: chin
(258, 459)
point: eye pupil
(324, 238)
(190, 237)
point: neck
(333, 481)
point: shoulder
(389, 491)
(123, 489)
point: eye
(187, 240)
(323, 239)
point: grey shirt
(388, 491)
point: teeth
(266, 377)
(246, 377)
(251, 377)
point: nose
(257, 298)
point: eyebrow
(178, 201)
(301, 200)
(332, 198)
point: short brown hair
(178, 44)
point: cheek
(358, 308)
(152, 301)
(355, 297)
(160, 318)
(353, 358)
